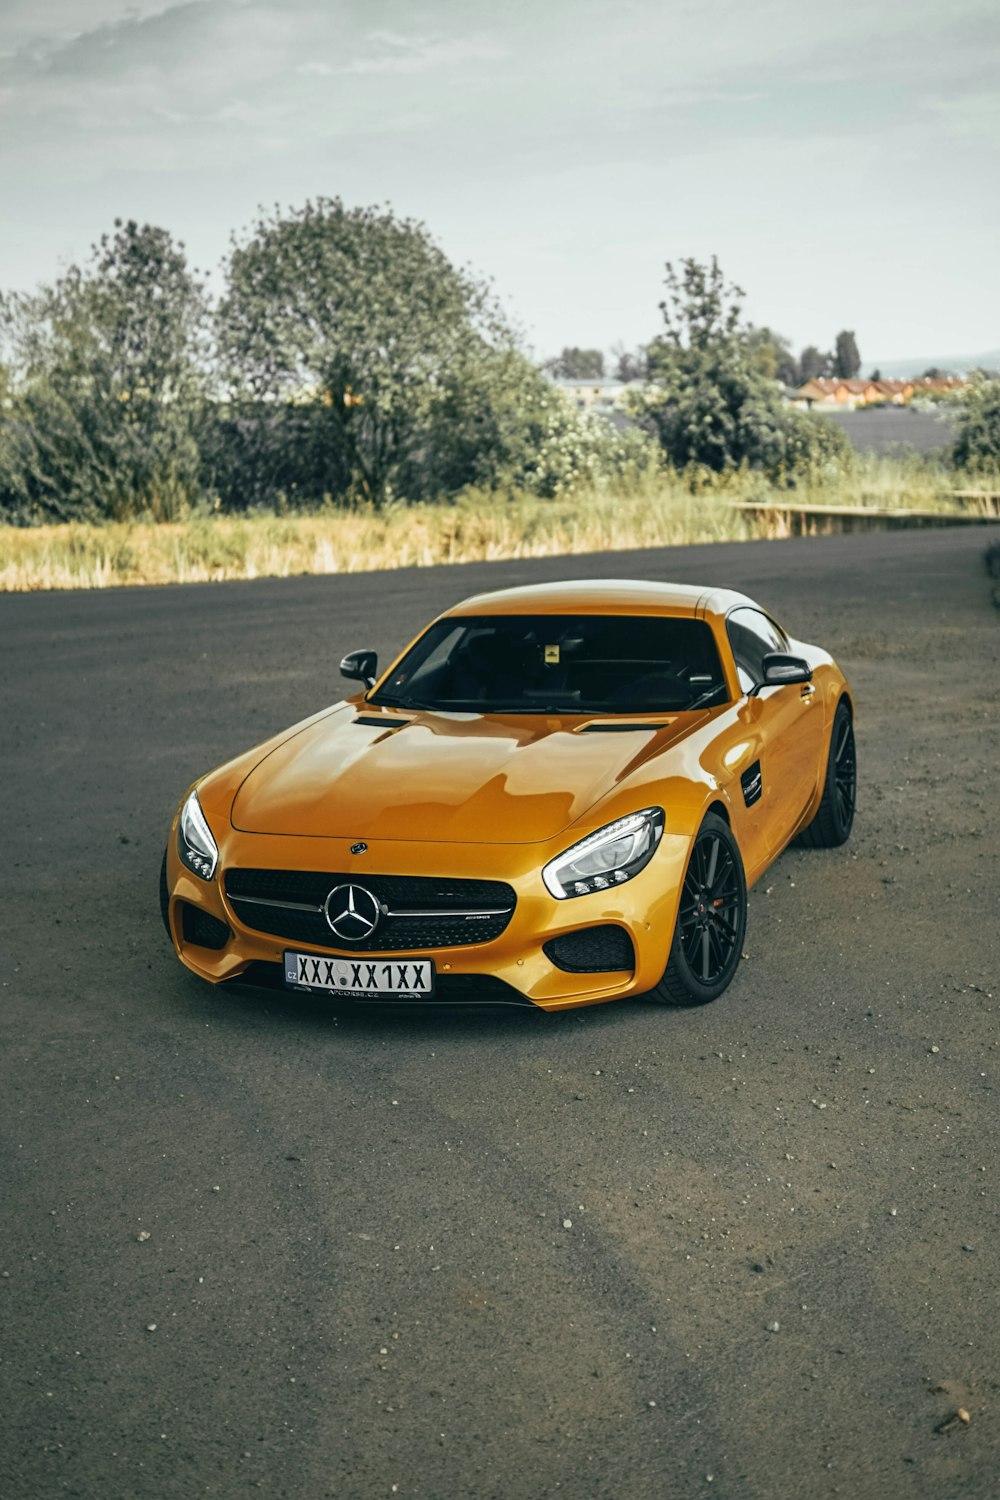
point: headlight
(607, 858)
(198, 849)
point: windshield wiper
(706, 697)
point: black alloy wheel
(711, 920)
(835, 815)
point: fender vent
(752, 783)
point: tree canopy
(773, 355)
(577, 364)
(714, 408)
(359, 320)
(846, 359)
(813, 363)
(106, 385)
(977, 445)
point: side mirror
(780, 669)
(360, 666)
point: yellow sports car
(557, 795)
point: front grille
(594, 950)
(202, 929)
(418, 912)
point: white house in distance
(596, 395)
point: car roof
(605, 596)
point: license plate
(407, 978)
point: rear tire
(835, 815)
(707, 942)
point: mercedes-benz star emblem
(352, 912)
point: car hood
(458, 778)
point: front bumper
(645, 907)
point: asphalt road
(360, 1265)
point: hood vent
(371, 722)
(606, 726)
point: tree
(977, 445)
(630, 364)
(846, 359)
(577, 364)
(773, 355)
(933, 372)
(107, 387)
(352, 325)
(714, 408)
(813, 364)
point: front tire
(835, 815)
(711, 921)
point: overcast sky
(843, 160)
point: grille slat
(419, 912)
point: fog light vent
(594, 950)
(202, 929)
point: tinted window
(559, 663)
(752, 636)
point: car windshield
(570, 664)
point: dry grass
(480, 527)
(213, 548)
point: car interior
(577, 664)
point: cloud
(973, 117)
(35, 23)
(681, 126)
(403, 55)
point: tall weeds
(661, 509)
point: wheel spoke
(724, 870)
(705, 950)
(713, 860)
(726, 926)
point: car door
(790, 721)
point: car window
(753, 636)
(603, 664)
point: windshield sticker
(552, 656)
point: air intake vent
(595, 950)
(202, 929)
(752, 783)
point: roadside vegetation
(660, 509)
(354, 401)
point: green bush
(977, 446)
